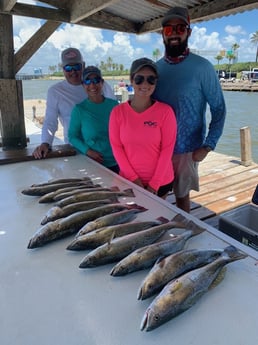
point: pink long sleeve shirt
(143, 143)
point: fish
(42, 190)
(97, 237)
(120, 247)
(183, 292)
(57, 212)
(95, 196)
(49, 197)
(112, 219)
(146, 256)
(63, 180)
(172, 266)
(64, 195)
(69, 225)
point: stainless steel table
(46, 299)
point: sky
(208, 39)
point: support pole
(245, 141)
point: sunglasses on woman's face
(179, 29)
(139, 79)
(69, 68)
(94, 81)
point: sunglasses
(179, 29)
(70, 68)
(94, 81)
(139, 79)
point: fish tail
(162, 220)
(129, 192)
(137, 207)
(233, 253)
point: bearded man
(188, 83)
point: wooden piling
(245, 143)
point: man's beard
(175, 50)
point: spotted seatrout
(97, 237)
(71, 224)
(172, 266)
(145, 257)
(95, 196)
(183, 292)
(120, 247)
(56, 212)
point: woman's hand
(150, 189)
(138, 182)
(95, 155)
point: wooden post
(245, 141)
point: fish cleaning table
(47, 300)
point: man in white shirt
(62, 97)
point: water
(242, 110)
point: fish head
(151, 320)
(148, 288)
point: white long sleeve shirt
(61, 98)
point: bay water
(242, 111)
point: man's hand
(200, 154)
(41, 151)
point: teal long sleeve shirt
(188, 87)
(88, 128)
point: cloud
(235, 30)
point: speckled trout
(51, 187)
(145, 257)
(120, 247)
(183, 292)
(97, 237)
(71, 224)
(95, 196)
(172, 266)
(57, 212)
(50, 197)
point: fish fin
(129, 192)
(111, 237)
(220, 276)
(180, 218)
(163, 220)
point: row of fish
(108, 229)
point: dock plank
(224, 185)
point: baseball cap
(71, 56)
(140, 63)
(177, 12)
(90, 70)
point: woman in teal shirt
(88, 130)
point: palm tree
(235, 46)
(219, 58)
(156, 54)
(254, 40)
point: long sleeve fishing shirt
(143, 143)
(188, 86)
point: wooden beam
(81, 9)
(6, 47)
(34, 43)
(7, 5)
(39, 12)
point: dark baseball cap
(91, 70)
(176, 12)
(140, 63)
(71, 56)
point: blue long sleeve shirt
(188, 87)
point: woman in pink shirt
(142, 133)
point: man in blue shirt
(188, 83)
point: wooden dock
(224, 185)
